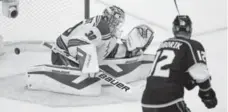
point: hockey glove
(208, 97)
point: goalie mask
(115, 17)
(140, 37)
(182, 26)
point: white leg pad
(62, 80)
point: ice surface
(215, 45)
(13, 87)
(207, 15)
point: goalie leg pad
(128, 69)
(63, 80)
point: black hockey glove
(208, 97)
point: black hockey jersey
(176, 59)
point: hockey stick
(104, 76)
(175, 2)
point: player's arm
(103, 27)
(97, 30)
(198, 64)
(83, 42)
(199, 72)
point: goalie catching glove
(138, 39)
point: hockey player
(102, 32)
(180, 63)
(97, 34)
(126, 62)
(93, 44)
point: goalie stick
(105, 76)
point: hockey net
(39, 20)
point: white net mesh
(41, 19)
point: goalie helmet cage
(38, 18)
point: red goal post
(87, 9)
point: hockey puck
(17, 51)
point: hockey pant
(177, 107)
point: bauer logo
(114, 82)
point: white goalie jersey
(93, 31)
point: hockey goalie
(96, 46)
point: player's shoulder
(188, 42)
(195, 44)
(102, 25)
(100, 22)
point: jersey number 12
(161, 64)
